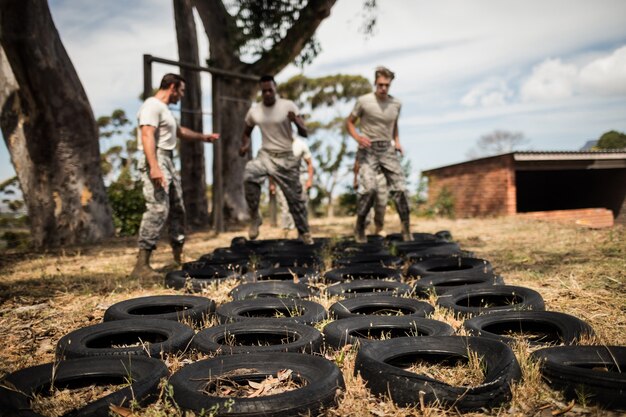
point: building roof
(565, 159)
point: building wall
(485, 187)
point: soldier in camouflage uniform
(162, 190)
(275, 158)
(379, 149)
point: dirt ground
(578, 271)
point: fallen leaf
(122, 411)
(564, 410)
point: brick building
(585, 187)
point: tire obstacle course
(385, 291)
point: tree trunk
(57, 159)
(233, 98)
(235, 95)
(193, 171)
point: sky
(554, 70)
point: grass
(578, 271)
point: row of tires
(250, 326)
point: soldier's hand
(364, 141)
(157, 177)
(244, 149)
(211, 137)
(399, 148)
(291, 116)
(308, 184)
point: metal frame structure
(218, 149)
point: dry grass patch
(578, 271)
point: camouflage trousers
(380, 201)
(163, 205)
(381, 157)
(286, 221)
(284, 168)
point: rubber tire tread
(472, 267)
(197, 280)
(307, 338)
(338, 333)
(146, 374)
(235, 311)
(501, 369)
(570, 329)
(375, 286)
(279, 289)
(284, 273)
(345, 308)
(530, 299)
(198, 309)
(440, 285)
(362, 272)
(177, 338)
(569, 368)
(323, 378)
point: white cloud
(493, 93)
(555, 80)
(605, 76)
(550, 80)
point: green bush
(346, 203)
(128, 205)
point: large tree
(50, 130)
(191, 152)
(251, 37)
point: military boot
(255, 222)
(179, 256)
(359, 230)
(142, 268)
(406, 232)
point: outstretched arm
(191, 135)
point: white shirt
(276, 132)
(153, 112)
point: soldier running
(379, 149)
(275, 158)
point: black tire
(285, 273)
(417, 237)
(355, 272)
(538, 328)
(322, 377)
(381, 259)
(444, 234)
(255, 336)
(152, 336)
(145, 374)
(416, 252)
(280, 289)
(198, 280)
(380, 305)
(277, 260)
(434, 246)
(480, 300)
(289, 309)
(165, 307)
(363, 330)
(439, 285)
(450, 266)
(381, 365)
(593, 372)
(216, 266)
(368, 287)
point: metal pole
(147, 76)
(218, 160)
